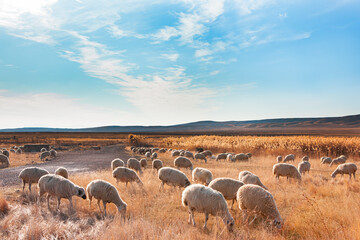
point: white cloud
(213, 73)
(248, 6)
(202, 52)
(119, 33)
(283, 15)
(171, 56)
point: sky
(93, 63)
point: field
(317, 208)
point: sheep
(279, 159)
(143, 163)
(206, 200)
(325, 160)
(305, 159)
(61, 171)
(200, 156)
(43, 150)
(252, 197)
(53, 153)
(162, 150)
(6, 153)
(133, 163)
(221, 156)
(18, 151)
(288, 158)
(249, 155)
(189, 154)
(31, 175)
(241, 157)
(250, 178)
(202, 175)
(148, 154)
(183, 162)
(229, 157)
(339, 160)
(175, 153)
(286, 170)
(207, 153)
(304, 167)
(117, 162)
(107, 193)
(345, 168)
(227, 186)
(124, 174)
(4, 161)
(154, 156)
(60, 187)
(157, 164)
(13, 150)
(172, 177)
(44, 155)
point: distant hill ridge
(345, 123)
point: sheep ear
(79, 192)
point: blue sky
(93, 63)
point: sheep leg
(354, 175)
(245, 215)
(48, 201)
(192, 216)
(232, 204)
(23, 186)
(90, 199)
(99, 205)
(206, 219)
(58, 203)
(71, 203)
(104, 203)
(30, 186)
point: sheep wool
(200, 156)
(288, 158)
(44, 155)
(124, 174)
(202, 175)
(304, 167)
(345, 168)
(117, 162)
(227, 186)
(183, 162)
(133, 163)
(61, 171)
(4, 161)
(143, 163)
(157, 164)
(286, 170)
(206, 200)
(31, 175)
(250, 178)
(172, 177)
(221, 156)
(107, 193)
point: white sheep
(133, 163)
(304, 167)
(53, 153)
(221, 156)
(340, 160)
(4, 161)
(279, 159)
(157, 164)
(18, 151)
(175, 153)
(43, 150)
(305, 158)
(44, 155)
(241, 157)
(124, 174)
(202, 175)
(148, 154)
(143, 163)
(183, 162)
(117, 162)
(325, 160)
(227, 186)
(249, 155)
(286, 170)
(59, 187)
(61, 171)
(6, 153)
(254, 198)
(31, 175)
(154, 156)
(189, 154)
(206, 200)
(250, 178)
(229, 157)
(172, 177)
(207, 153)
(345, 168)
(107, 193)
(200, 156)
(288, 158)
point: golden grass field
(317, 208)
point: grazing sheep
(304, 167)
(200, 156)
(255, 198)
(175, 153)
(61, 171)
(227, 186)
(202, 175)
(279, 159)
(107, 193)
(241, 157)
(43, 150)
(325, 160)
(157, 164)
(124, 174)
(117, 162)
(53, 153)
(172, 177)
(13, 150)
(154, 156)
(6, 153)
(183, 162)
(229, 157)
(4, 161)
(207, 153)
(221, 156)
(345, 168)
(143, 163)
(18, 151)
(339, 160)
(148, 154)
(44, 155)
(288, 158)
(60, 187)
(162, 150)
(250, 178)
(133, 163)
(188, 154)
(305, 158)
(31, 175)
(286, 170)
(206, 200)
(249, 155)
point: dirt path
(77, 161)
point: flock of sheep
(206, 196)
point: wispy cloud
(171, 56)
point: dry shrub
(4, 207)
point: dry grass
(318, 208)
